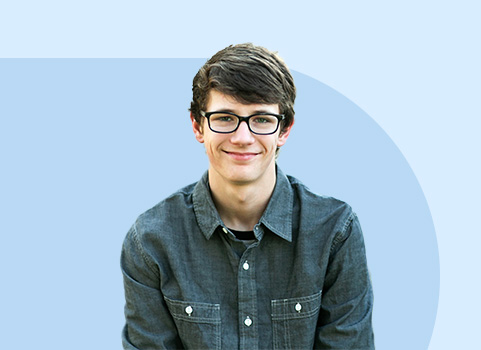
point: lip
(241, 156)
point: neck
(241, 205)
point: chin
(241, 177)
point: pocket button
(298, 307)
(188, 310)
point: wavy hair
(248, 73)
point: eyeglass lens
(262, 124)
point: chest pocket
(198, 324)
(294, 321)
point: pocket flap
(194, 311)
(284, 309)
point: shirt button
(248, 321)
(188, 310)
(224, 229)
(298, 307)
(245, 266)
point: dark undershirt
(243, 235)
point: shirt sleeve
(149, 324)
(347, 301)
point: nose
(242, 135)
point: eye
(221, 118)
(263, 119)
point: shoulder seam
(341, 234)
(145, 257)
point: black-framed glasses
(258, 123)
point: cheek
(211, 145)
(271, 144)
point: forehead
(217, 101)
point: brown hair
(250, 74)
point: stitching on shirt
(203, 312)
(341, 235)
(204, 209)
(141, 249)
(283, 309)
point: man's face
(240, 157)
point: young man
(246, 258)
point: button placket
(247, 294)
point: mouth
(241, 156)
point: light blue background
(412, 66)
(96, 142)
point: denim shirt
(303, 283)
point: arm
(149, 324)
(346, 308)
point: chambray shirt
(303, 283)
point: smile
(241, 156)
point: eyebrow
(254, 112)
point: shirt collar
(277, 217)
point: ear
(283, 135)
(199, 135)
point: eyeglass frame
(280, 117)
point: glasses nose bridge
(243, 119)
